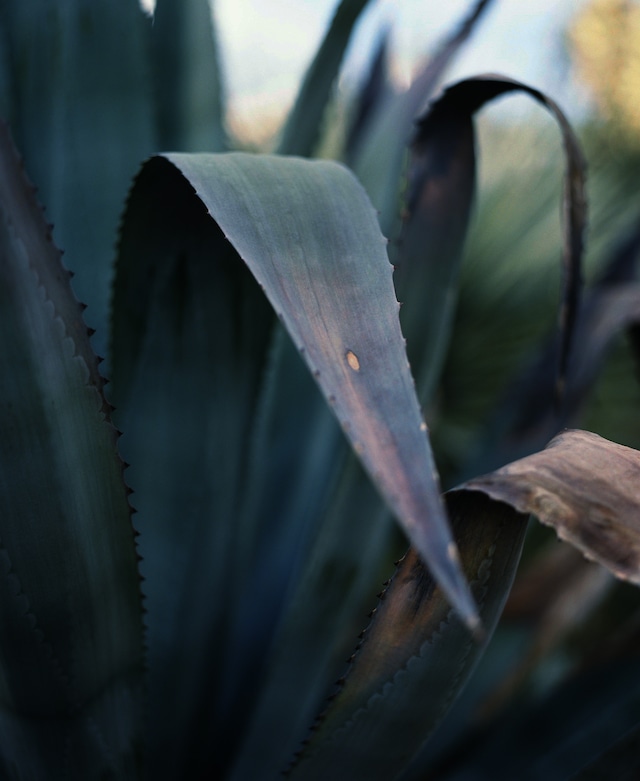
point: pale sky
(268, 43)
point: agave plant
(270, 392)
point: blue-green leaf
(79, 103)
(455, 107)
(195, 361)
(189, 100)
(304, 123)
(310, 237)
(71, 648)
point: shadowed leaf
(576, 728)
(619, 761)
(178, 318)
(445, 128)
(71, 647)
(416, 655)
(323, 616)
(193, 353)
(369, 97)
(81, 110)
(568, 589)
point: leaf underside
(443, 140)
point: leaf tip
(451, 578)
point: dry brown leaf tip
(587, 488)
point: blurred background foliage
(510, 276)
(604, 45)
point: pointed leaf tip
(449, 574)
(332, 288)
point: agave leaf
(71, 652)
(379, 160)
(326, 605)
(620, 760)
(440, 190)
(323, 615)
(369, 97)
(351, 341)
(377, 721)
(185, 306)
(444, 133)
(586, 488)
(582, 485)
(178, 318)
(505, 302)
(80, 106)
(304, 123)
(188, 89)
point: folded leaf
(194, 360)
(441, 178)
(581, 484)
(586, 488)
(454, 109)
(310, 237)
(190, 344)
(526, 416)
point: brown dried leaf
(584, 486)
